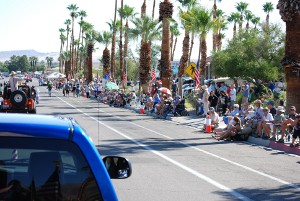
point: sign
(190, 70)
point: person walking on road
(49, 87)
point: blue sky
(34, 24)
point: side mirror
(117, 167)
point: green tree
(241, 7)
(235, 18)
(254, 54)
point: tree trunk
(184, 58)
(173, 52)
(203, 59)
(192, 45)
(234, 29)
(90, 62)
(171, 45)
(113, 45)
(143, 9)
(121, 47)
(215, 31)
(165, 63)
(292, 50)
(153, 9)
(106, 62)
(145, 65)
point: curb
(285, 147)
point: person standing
(205, 99)
(13, 81)
(245, 92)
(87, 91)
(232, 96)
(49, 87)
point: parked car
(52, 158)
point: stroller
(180, 109)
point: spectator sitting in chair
(229, 115)
(265, 124)
(288, 123)
(278, 120)
(214, 117)
(271, 108)
(296, 131)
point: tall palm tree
(90, 37)
(215, 35)
(62, 38)
(81, 14)
(204, 22)
(255, 20)
(86, 27)
(289, 11)
(153, 8)
(128, 13)
(241, 7)
(68, 29)
(121, 45)
(148, 30)
(165, 14)
(267, 8)
(219, 25)
(174, 33)
(105, 38)
(113, 45)
(186, 21)
(73, 13)
(235, 18)
(248, 17)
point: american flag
(197, 77)
(153, 74)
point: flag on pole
(197, 77)
(153, 74)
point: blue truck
(52, 158)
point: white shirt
(267, 117)
(232, 94)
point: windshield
(44, 169)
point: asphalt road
(175, 162)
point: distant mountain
(5, 55)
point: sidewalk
(196, 122)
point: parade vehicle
(21, 100)
(52, 158)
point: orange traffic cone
(142, 111)
(208, 128)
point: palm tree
(289, 11)
(248, 17)
(121, 45)
(186, 21)
(81, 14)
(143, 9)
(267, 8)
(73, 13)
(90, 36)
(86, 27)
(255, 21)
(215, 35)
(105, 38)
(153, 9)
(165, 14)
(204, 24)
(235, 18)
(174, 33)
(149, 30)
(219, 24)
(128, 13)
(241, 7)
(62, 38)
(68, 23)
(113, 45)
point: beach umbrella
(165, 90)
(111, 86)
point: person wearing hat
(265, 124)
(288, 122)
(205, 99)
(214, 117)
(278, 120)
(13, 81)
